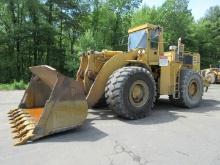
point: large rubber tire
(187, 78)
(117, 92)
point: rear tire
(191, 90)
(130, 92)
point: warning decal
(163, 61)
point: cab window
(154, 39)
(137, 39)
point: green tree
(54, 32)
(174, 16)
(146, 15)
(207, 35)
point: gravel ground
(169, 136)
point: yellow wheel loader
(129, 82)
(212, 75)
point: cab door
(153, 47)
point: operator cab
(139, 36)
(147, 41)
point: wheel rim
(138, 93)
(193, 88)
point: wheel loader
(212, 75)
(129, 82)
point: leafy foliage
(208, 37)
(55, 32)
(15, 85)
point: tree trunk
(49, 41)
(16, 43)
(115, 35)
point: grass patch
(19, 85)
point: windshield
(137, 39)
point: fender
(98, 87)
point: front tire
(191, 89)
(130, 92)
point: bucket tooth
(19, 128)
(25, 125)
(19, 134)
(15, 112)
(12, 110)
(17, 124)
(13, 122)
(16, 133)
(17, 118)
(18, 114)
(22, 133)
(10, 119)
(15, 130)
(22, 122)
(22, 130)
(20, 118)
(19, 141)
(24, 139)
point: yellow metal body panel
(109, 54)
(168, 77)
(141, 27)
(63, 115)
(96, 60)
(97, 89)
(195, 66)
(168, 74)
(196, 62)
(82, 69)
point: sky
(198, 7)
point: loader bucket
(52, 103)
